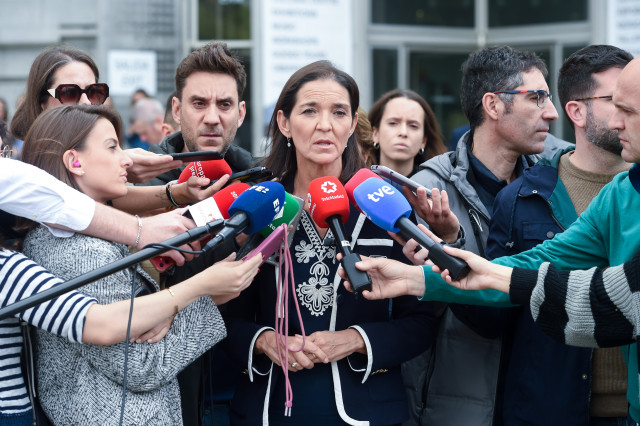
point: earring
(376, 145)
(422, 150)
(288, 143)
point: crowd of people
(510, 193)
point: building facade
(413, 44)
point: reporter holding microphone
(348, 367)
(81, 384)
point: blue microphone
(390, 210)
(254, 209)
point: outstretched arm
(147, 165)
(389, 278)
(107, 324)
(143, 199)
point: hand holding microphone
(390, 210)
(254, 209)
(199, 180)
(329, 206)
(213, 208)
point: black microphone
(329, 205)
(145, 253)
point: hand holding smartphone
(398, 179)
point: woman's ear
(375, 134)
(71, 161)
(354, 124)
(283, 124)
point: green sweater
(606, 234)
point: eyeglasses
(543, 95)
(609, 97)
(71, 93)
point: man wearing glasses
(507, 102)
(589, 386)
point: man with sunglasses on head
(208, 107)
(507, 102)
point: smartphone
(253, 174)
(270, 245)
(197, 156)
(398, 179)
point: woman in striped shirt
(79, 319)
(88, 390)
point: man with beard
(505, 97)
(589, 385)
(208, 107)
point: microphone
(360, 176)
(212, 169)
(289, 215)
(217, 206)
(89, 277)
(254, 209)
(390, 210)
(203, 212)
(329, 207)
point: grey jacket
(81, 384)
(455, 382)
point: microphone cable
(126, 344)
(170, 247)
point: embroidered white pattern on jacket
(316, 294)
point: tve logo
(380, 193)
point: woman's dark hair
(434, 145)
(281, 159)
(58, 130)
(40, 79)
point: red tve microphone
(329, 207)
(212, 169)
(357, 179)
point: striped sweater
(65, 315)
(592, 308)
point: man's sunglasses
(71, 93)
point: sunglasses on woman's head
(71, 93)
